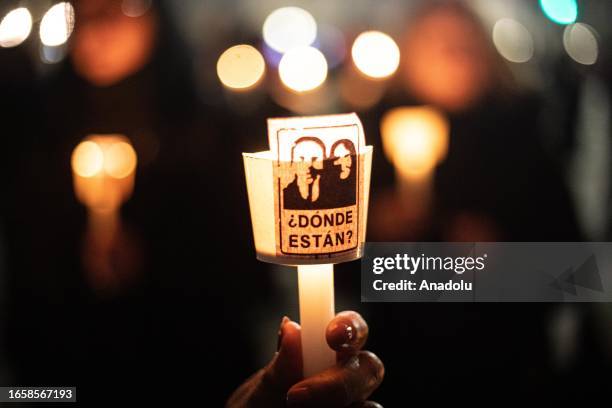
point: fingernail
(298, 397)
(343, 334)
(279, 339)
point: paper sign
(318, 181)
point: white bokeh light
(303, 69)
(512, 40)
(580, 43)
(289, 27)
(15, 27)
(57, 24)
(375, 54)
(240, 67)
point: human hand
(347, 384)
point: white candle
(316, 292)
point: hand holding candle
(348, 383)
(308, 197)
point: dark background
(528, 160)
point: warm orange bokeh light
(303, 69)
(87, 159)
(375, 54)
(103, 168)
(448, 58)
(415, 139)
(119, 160)
(108, 46)
(241, 67)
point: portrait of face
(341, 153)
(320, 176)
(308, 155)
(344, 160)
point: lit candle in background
(375, 54)
(415, 140)
(103, 168)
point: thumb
(268, 387)
(285, 369)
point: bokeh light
(289, 27)
(414, 139)
(240, 67)
(513, 40)
(87, 159)
(119, 160)
(53, 55)
(560, 11)
(447, 59)
(580, 43)
(104, 171)
(15, 27)
(375, 54)
(303, 69)
(57, 24)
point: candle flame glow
(87, 159)
(119, 160)
(15, 27)
(414, 139)
(57, 24)
(104, 170)
(375, 54)
(303, 69)
(289, 27)
(240, 67)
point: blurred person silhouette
(509, 188)
(175, 313)
(496, 184)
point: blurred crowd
(182, 300)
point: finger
(268, 387)
(285, 369)
(347, 332)
(367, 404)
(341, 385)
